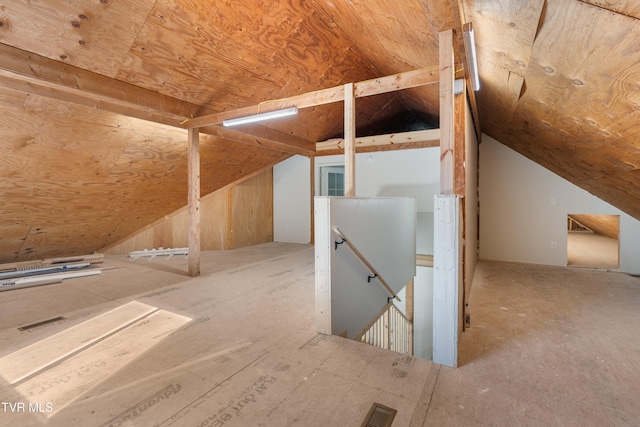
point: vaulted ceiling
(92, 93)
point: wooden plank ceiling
(91, 93)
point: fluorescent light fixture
(472, 61)
(260, 117)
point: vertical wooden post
(459, 141)
(349, 141)
(460, 183)
(194, 202)
(448, 224)
(228, 229)
(447, 73)
(409, 300)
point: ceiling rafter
(37, 75)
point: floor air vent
(42, 323)
(379, 416)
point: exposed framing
(392, 83)
(423, 138)
(194, 202)
(32, 73)
(349, 140)
(449, 221)
(447, 167)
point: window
(332, 180)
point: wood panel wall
(232, 217)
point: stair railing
(390, 330)
(364, 260)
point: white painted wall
(524, 208)
(403, 173)
(291, 200)
(408, 173)
(383, 229)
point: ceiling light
(260, 117)
(472, 61)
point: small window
(332, 180)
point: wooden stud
(229, 241)
(349, 141)
(459, 138)
(446, 113)
(194, 202)
(423, 260)
(431, 136)
(409, 300)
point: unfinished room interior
(319, 213)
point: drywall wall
(402, 173)
(524, 208)
(383, 231)
(291, 200)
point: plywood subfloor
(249, 356)
(547, 346)
(589, 250)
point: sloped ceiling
(559, 84)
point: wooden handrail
(365, 262)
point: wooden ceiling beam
(260, 136)
(30, 73)
(35, 74)
(429, 136)
(406, 80)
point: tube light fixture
(260, 117)
(470, 51)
